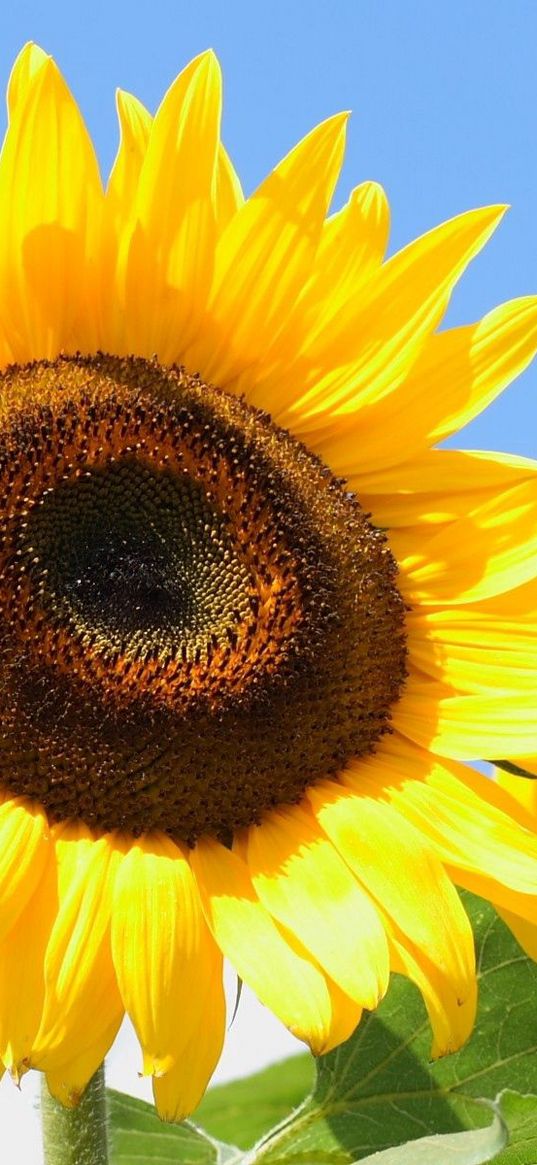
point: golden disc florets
(198, 620)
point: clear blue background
(444, 97)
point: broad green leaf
(380, 1090)
(473, 1147)
(520, 1112)
(138, 1137)
(377, 1099)
(245, 1110)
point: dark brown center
(197, 619)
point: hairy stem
(76, 1136)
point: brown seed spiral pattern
(197, 619)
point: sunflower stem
(76, 1136)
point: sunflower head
(251, 619)
(200, 620)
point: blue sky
(444, 97)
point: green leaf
(138, 1137)
(377, 1099)
(520, 1112)
(245, 1110)
(380, 1090)
(474, 1147)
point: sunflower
(252, 619)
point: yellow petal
(229, 195)
(503, 628)
(468, 820)
(519, 604)
(180, 1090)
(50, 215)
(420, 906)
(306, 887)
(524, 932)
(264, 257)
(346, 1015)
(487, 656)
(285, 981)
(456, 375)
(462, 813)
(470, 626)
(523, 790)
(29, 61)
(82, 1001)
(462, 370)
(379, 333)
(438, 486)
(451, 1018)
(529, 763)
(163, 952)
(478, 669)
(184, 133)
(24, 851)
(351, 249)
(486, 724)
(497, 350)
(168, 265)
(493, 549)
(22, 973)
(466, 470)
(67, 1079)
(119, 212)
(134, 127)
